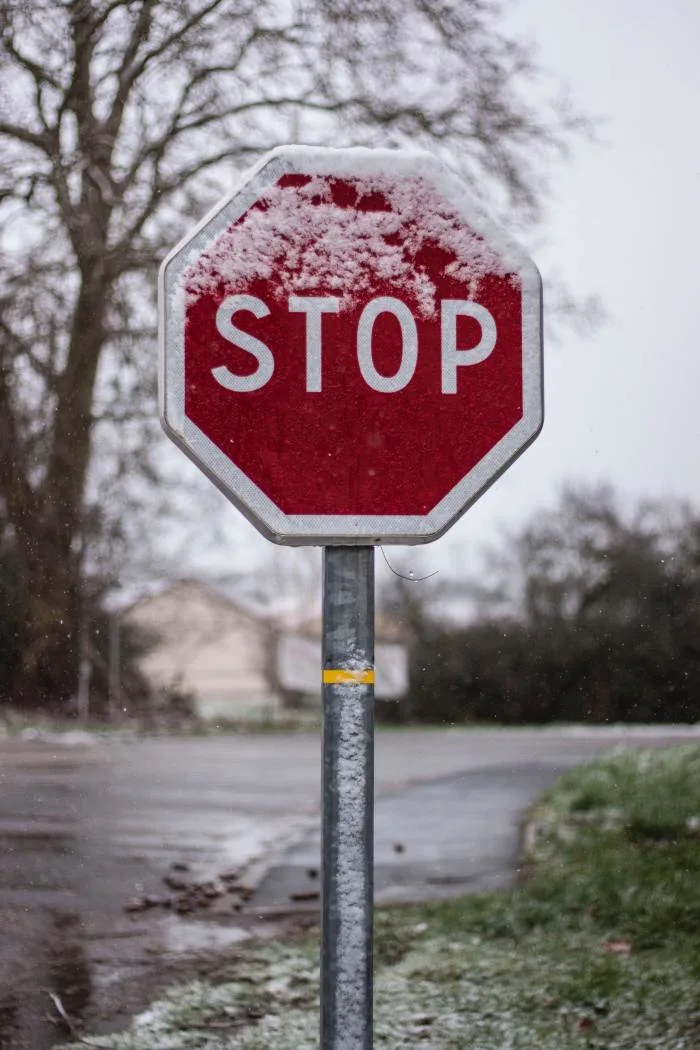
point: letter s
(261, 352)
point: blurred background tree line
(591, 613)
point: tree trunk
(47, 540)
(46, 672)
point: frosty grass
(567, 960)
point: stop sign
(350, 348)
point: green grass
(619, 842)
(615, 865)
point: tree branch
(137, 69)
(21, 134)
(38, 72)
(139, 33)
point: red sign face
(350, 350)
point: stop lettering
(314, 308)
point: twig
(75, 1034)
(219, 1026)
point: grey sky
(623, 405)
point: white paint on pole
(351, 984)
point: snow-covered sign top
(350, 348)
(352, 217)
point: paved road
(82, 829)
(453, 824)
(437, 839)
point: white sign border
(263, 513)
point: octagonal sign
(350, 348)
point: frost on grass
(317, 235)
(448, 992)
(649, 793)
(274, 1003)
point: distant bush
(593, 615)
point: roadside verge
(598, 948)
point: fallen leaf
(211, 890)
(135, 904)
(175, 882)
(617, 947)
(232, 875)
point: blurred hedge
(590, 613)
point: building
(237, 664)
(207, 647)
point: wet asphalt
(57, 883)
(84, 829)
(429, 841)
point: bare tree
(118, 120)
(591, 558)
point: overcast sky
(623, 405)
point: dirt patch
(129, 972)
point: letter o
(409, 344)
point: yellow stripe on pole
(338, 676)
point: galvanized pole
(348, 798)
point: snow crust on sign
(310, 244)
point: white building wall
(207, 648)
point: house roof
(185, 585)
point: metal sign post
(348, 798)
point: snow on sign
(350, 349)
